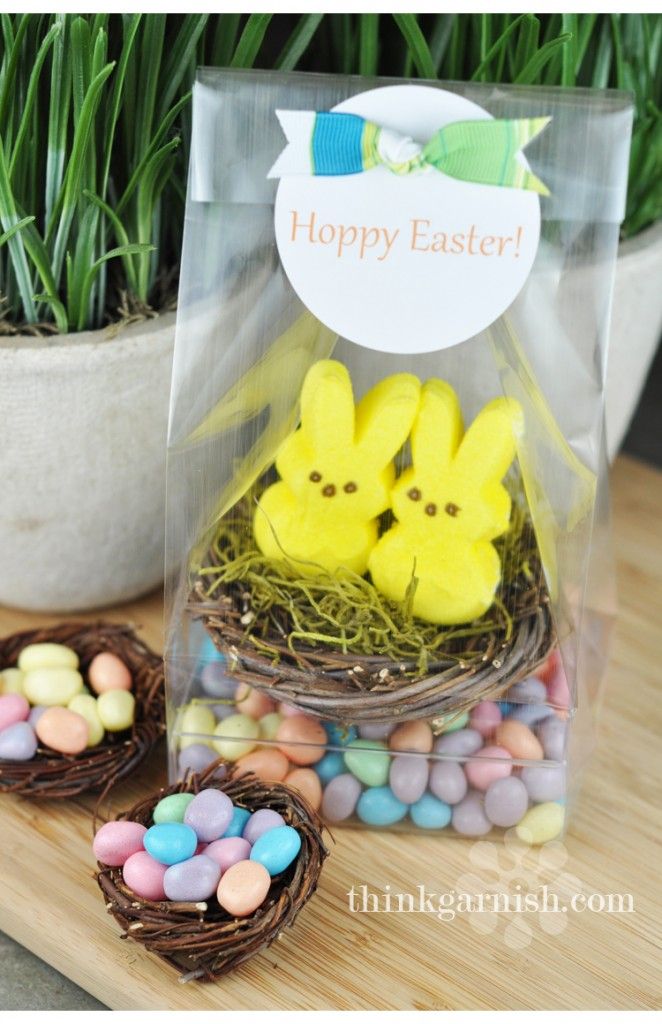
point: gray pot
(83, 422)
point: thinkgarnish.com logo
(510, 888)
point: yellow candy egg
(269, 725)
(238, 735)
(47, 656)
(51, 687)
(541, 823)
(11, 681)
(198, 720)
(116, 709)
(86, 706)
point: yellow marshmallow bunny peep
(336, 471)
(450, 505)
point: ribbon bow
(485, 152)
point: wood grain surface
(335, 959)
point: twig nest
(59, 739)
(206, 873)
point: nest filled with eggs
(202, 940)
(52, 773)
(334, 647)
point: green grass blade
(368, 43)
(121, 235)
(19, 261)
(440, 38)
(9, 75)
(130, 30)
(86, 288)
(250, 41)
(31, 95)
(418, 47)
(534, 66)
(6, 235)
(177, 63)
(497, 49)
(298, 43)
(225, 39)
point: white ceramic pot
(636, 327)
(83, 423)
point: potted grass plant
(94, 126)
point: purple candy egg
(506, 802)
(376, 730)
(529, 691)
(461, 743)
(448, 782)
(340, 797)
(215, 681)
(551, 733)
(529, 714)
(209, 814)
(196, 758)
(469, 818)
(192, 880)
(35, 714)
(18, 742)
(260, 822)
(544, 782)
(408, 777)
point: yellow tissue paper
(450, 504)
(336, 471)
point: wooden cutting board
(334, 958)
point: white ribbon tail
(298, 126)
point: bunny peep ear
(327, 406)
(438, 428)
(489, 445)
(384, 417)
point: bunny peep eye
(350, 487)
(451, 509)
(431, 509)
(414, 494)
(315, 476)
(329, 490)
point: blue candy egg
(209, 651)
(429, 812)
(505, 708)
(332, 764)
(379, 806)
(170, 843)
(276, 849)
(340, 735)
(236, 827)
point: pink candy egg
(268, 765)
(485, 717)
(63, 730)
(558, 691)
(302, 739)
(116, 841)
(287, 711)
(227, 852)
(108, 672)
(306, 782)
(243, 888)
(253, 703)
(144, 876)
(13, 708)
(548, 667)
(482, 773)
(416, 736)
(518, 740)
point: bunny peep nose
(336, 471)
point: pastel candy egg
(237, 736)
(171, 808)
(332, 764)
(545, 671)
(237, 823)
(447, 781)
(518, 740)
(469, 818)
(340, 797)
(144, 876)
(209, 814)
(340, 735)
(558, 691)
(253, 702)
(544, 782)
(408, 777)
(223, 711)
(63, 730)
(171, 842)
(47, 656)
(414, 736)
(196, 758)
(108, 672)
(208, 650)
(35, 714)
(461, 743)
(287, 710)
(11, 680)
(302, 739)
(116, 841)
(528, 691)
(52, 686)
(192, 880)
(196, 721)
(276, 849)
(506, 802)
(541, 823)
(260, 822)
(307, 783)
(227, 852)
(216, 682)
(269, 725)
(18, 742)
(376, 730)
(369, 761)
(379, 806)
(116, 710)
(490, 764)
(13, 708)
(552, 733)
(267, 765)
(85, 704)
(451, 721)
(485, 717)
(243, 888)
(429, 812)
(530, 714)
